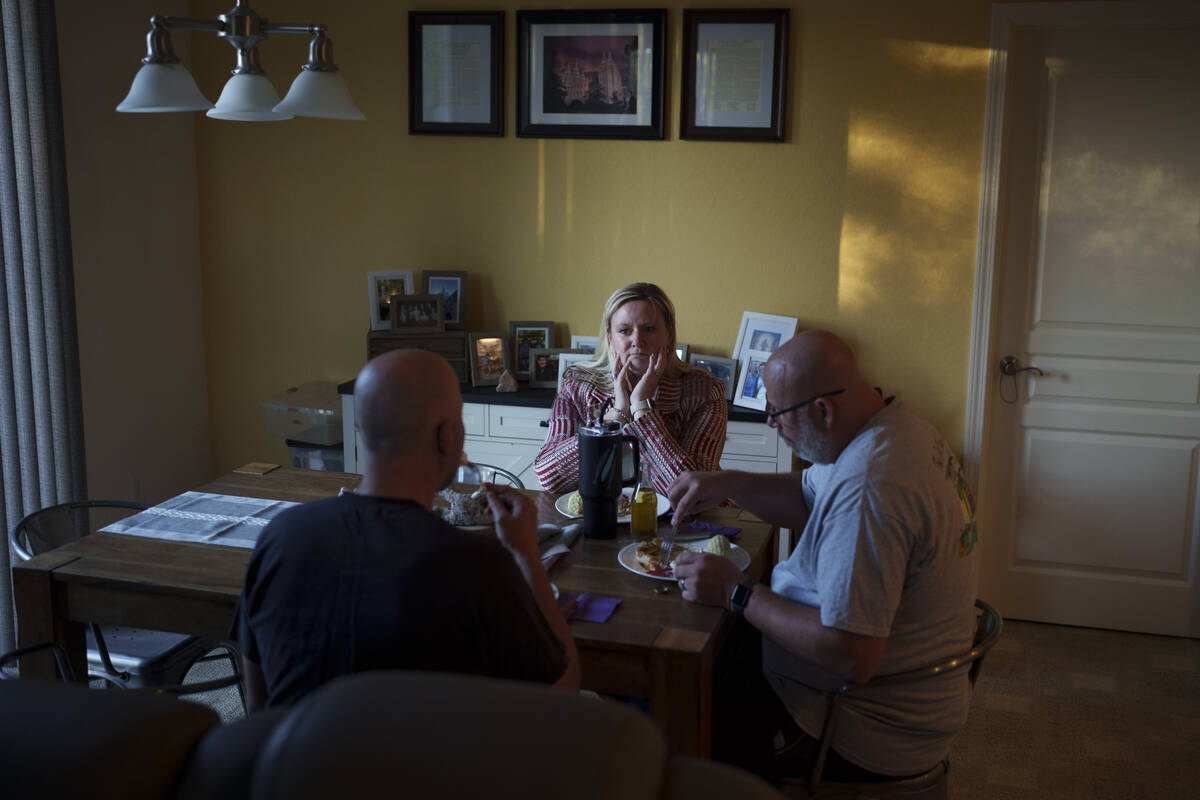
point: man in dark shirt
(376, 580)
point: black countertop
(544, 398)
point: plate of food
(571, 505)
(466, 510)
(643, 557)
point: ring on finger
(682, 586)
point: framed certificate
(734, 75)
(456, 73)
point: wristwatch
(740, 597)
(642, 405)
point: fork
(665, 551)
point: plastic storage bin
(316, 456)
(310, 413)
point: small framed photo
(751, 393)
(527, 336)
(567, 359)
(763, 332)
(381, 285)
(681, 351)
(591, 74)
(585, 344)
(543, 367)
(417, 313)
(456, 73)
(723, 368)
(489, 358)
(452, 286)
(734, 74)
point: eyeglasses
(773, 412)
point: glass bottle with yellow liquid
(643, 513)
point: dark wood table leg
(41, 618)
(681, 675)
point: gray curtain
(41, 419)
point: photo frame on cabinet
(751, 392)
(452, 286)
(591, 74)
(543, 367)
(763, 332)
(587, 344)
(381, 285)
(456, 73)
(489, 357)
(528, 336)
(567, 359)
(734, 74)
(417, 313)
(724, 369)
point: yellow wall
(864, 221)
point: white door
(1088, 472)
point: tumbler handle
(637, 459)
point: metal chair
(498, 475)
(933, 784)
(120, 656)
(68, 672)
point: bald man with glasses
(882, 579)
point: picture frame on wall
(751, 392)
(456, 73)
(762, 332)
(567, 359)
(489, 357)
(723, 368)
(734, 75)
(527, 336)
(591, 74)
(587, 344)
(543, 367)
(452, 286)
(381, 285)
(417, 313)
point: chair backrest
(490, 474)
(989, 625)
(55, 526)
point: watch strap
(642, 405)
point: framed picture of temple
(591, 74)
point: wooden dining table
(656, 646)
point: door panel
(1089, 503)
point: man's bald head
(813, 362)
(819, 371)
(400, 398)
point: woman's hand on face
(648, 384)
(621, 385)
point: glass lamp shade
(163, 87)
(248, 97)
(319, 94)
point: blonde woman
(677, 412)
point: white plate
(663, 505)
(628, 559)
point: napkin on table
(590, 608)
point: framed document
(734, 75)
(456, 72)
(591, 74)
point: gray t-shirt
(887, 552)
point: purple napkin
(709, 527)
(590, 608)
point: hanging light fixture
(163, 84)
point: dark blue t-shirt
(356, 583)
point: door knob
(1011, 365)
